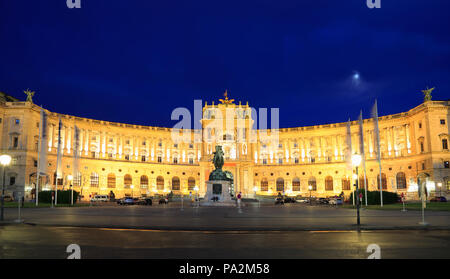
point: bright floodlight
(356, 160)
(5, 160)
(310, 187)
(255, 188)
(356, 76)
(70, 177)
(195, 188)
(132, 186)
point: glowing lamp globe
(5, 160)
(356, 160)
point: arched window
(401, 180)
(345, 184)
(361, 182)
(264, 185)
(94, 179)
(160, 183)
(127, 181)
(296, 184)
(175, 183)
(383, 181)
(329, 183)
(111, 180)
(144, 182)
(280, 184)
(191, 183)
(312, 182)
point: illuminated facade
(141, 160)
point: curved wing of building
(141, 161)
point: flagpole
(38, 162)
(377, 134)
(363, 153)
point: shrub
(63, 196)
(373, 197)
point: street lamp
(5, 160)
(310, 189)
(356, 161)
(131, 186)
(70, 178)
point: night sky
(135, 61)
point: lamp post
(256, 189)
(70, 178)
(439, 184)
(310, 189)
(356, 161)
(196, 194)
(132, 186)
(5, 160)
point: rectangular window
(191, 161)
(127, 157)
(127, 142)
(175, 160)
(159, 159)
(143, 159)
(93, 154)
(296, 160)
(175, 145)
(444, 144)
(442, 121)
(110, 155)
(17, 121)
(280, 161)
(144, 143)
(446, 164)
(191, 145)
(264, 161)
(12, 180)
(421, 147)
(35, 163)
(420, 125)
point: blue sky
(135, 61)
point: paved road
(286, 218)
(26, 241)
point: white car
(100, 198)
(335, 201)
(302, 200)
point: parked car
(438, 199)
(289, 200)
(335, 201)
(100, 198)
(302, 200)
(163, 201)
(279, 200)
(145, 201)
(322, 201)
(8, 198)
(126, 201)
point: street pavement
(48, 242)
(290, 217)
(166, 231)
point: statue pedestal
(219, 189)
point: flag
(42, 148)
(348, 150)
(376, 131)
(363, 154)
(76, 152)
(377, 146)
(59, 152)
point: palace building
(143, 161)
